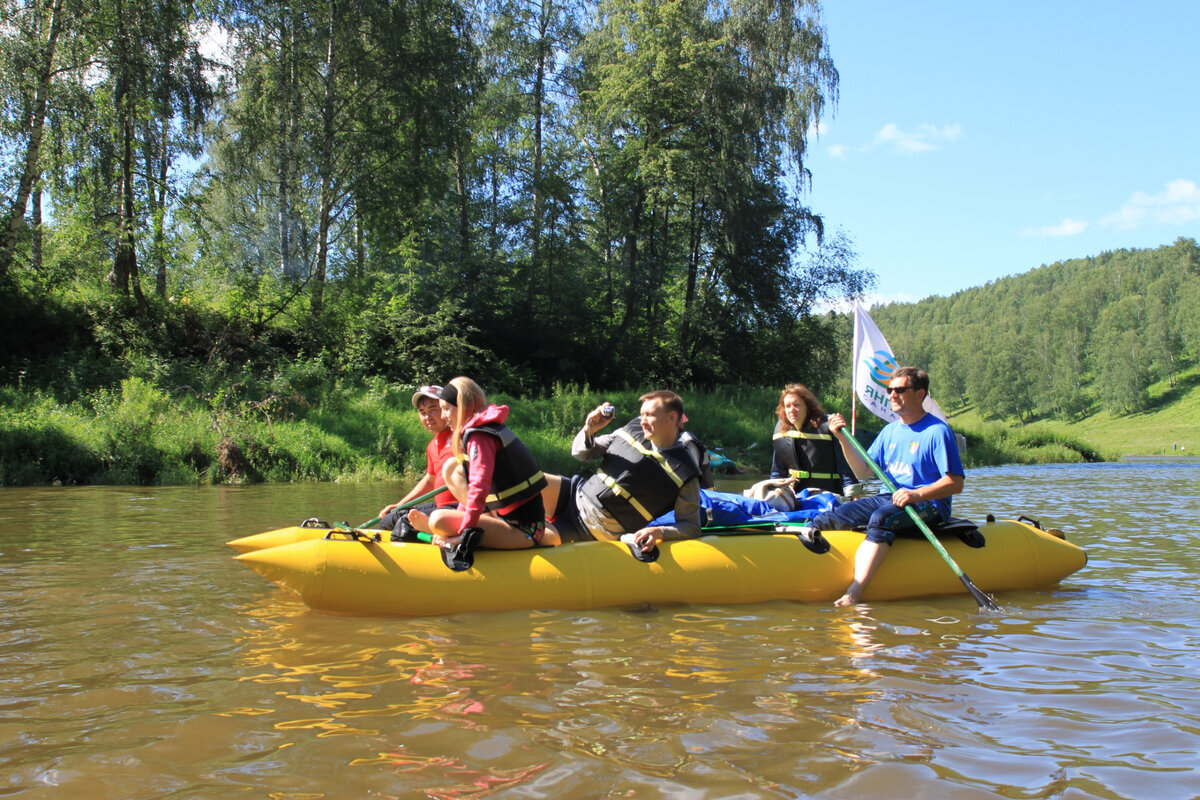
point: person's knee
(879, 535)
(443, 520)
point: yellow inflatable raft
(344, 575)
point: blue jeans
(881, 516)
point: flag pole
(854, 374)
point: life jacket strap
(652, 453)
(520, 487)
(795, 434)
(800, 473)
(611, 483)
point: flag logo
(882, 366)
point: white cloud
(1068, 227)
(1177, 203)
(837, 151)
(926, 137)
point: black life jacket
(636, 483)
(516, 475)
(811, 456)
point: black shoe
(403, 531)
(462, 557)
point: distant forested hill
(1062, 340)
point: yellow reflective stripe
(626, 496)
(520, 487)
(799, 473)
(801, 435)
(657, 456)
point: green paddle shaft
(409, 504)
(982, 599)
(755, 524)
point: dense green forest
(521, 190)
(234, 234)
(1062, 341)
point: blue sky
(974, 140)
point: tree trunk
(35, 259)
(35, 121)
(325, 168)
(696, 213)
(539, 89)
(629, 260)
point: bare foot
(447, 542)
(419, 520)
(851, 597)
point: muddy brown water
(139, 660)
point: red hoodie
(481, 461)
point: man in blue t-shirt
(919, 454)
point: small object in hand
(608, 410)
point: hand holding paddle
(409, 504)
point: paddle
(982, 599)
(409, 504)
(756, 524)
(810, 538)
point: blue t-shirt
(917, 455)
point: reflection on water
(140, 660)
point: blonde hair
(814, 412)
(470, 401)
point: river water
(139, 660)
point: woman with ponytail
(494, 477)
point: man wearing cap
(437, 453)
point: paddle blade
(982, 599)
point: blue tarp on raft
(725, 509)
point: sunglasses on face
(898, 389)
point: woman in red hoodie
(494, 476)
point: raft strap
(353, 535)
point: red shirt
(437, 453)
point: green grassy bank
(140, 434)
(1169, 427)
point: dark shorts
(529, 518)
(882, 519)
(566, 514)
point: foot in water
(852, 597)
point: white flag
(874, 366)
